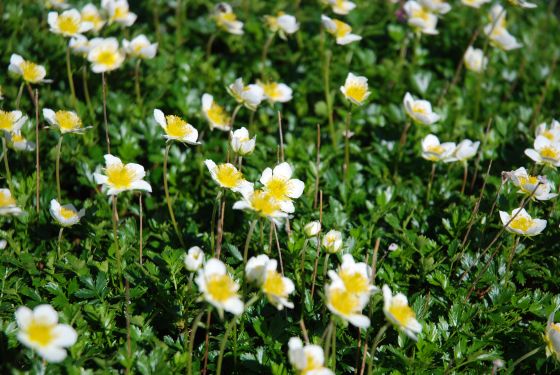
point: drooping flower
(552, 132)
(276, 287)
(276, 92)
(241, 143)
(398, 312)
(176, 128)
(522, 222)
(8, 205)
(496, 30)
(262, 203)
(475, 3)
(228, 177)
(69, 23)
(552, 337)
(40, 331)
(105, 55)
(215, 114)
(340, 30)
(332, 241)
(11, 121)
(436, 6)
(312, 229)
(250, 96)
(465, 150)
(119, 12)
(421, 18)
(278, 182)
(283, 24)
(121, 177)
(356, 277)
(29, 71)
(420, 111)
(19, 142)
(91, 14)
(527, 184)
(474, 60)
(194, 259)
(433, 150)
(140, 47)
(65, 121)
(66, 215)
(308, 359)
(355, 89)
(347, 305)
(227, 20)
(544, 151)
(219, 288)
(341, 7)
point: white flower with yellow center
(241, 143)
(255, 270)
(276, 287)
(398, 312)
(8, 204)
(474, 60)
(347, 305)
(227, 20)
(119, 12)
(341, 7)
(420, 111)
(522, 4)
(91, 14)
(19, 142)
(356, 277)
(215, 114)
(436, 6)
(278, 182)
(276, 92)
(340, 30)
(552, 337)
(11, 121)
(250, 96)
(121, 177)
(465, 150)
(80, 45)
(69, 23)
(355, 89)
(105, 55)
(312, 229)
(66, 215)
(219, 288)
(522, 222)
(176, 128)
(475, 3)
(140, 47)
(539, 186)
(421, 18)
(57, 4)
(65, 121)
(29, 71)
(194, 259)
(497, 32)
(283, 24)
(544, 151)
(40, 331)
(228, 177)
(308, 359)
(262, 203)
(332, 241)
(552, 132)
(433, 150)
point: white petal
(295, 188)
(45, 314)
(52, 353)
(24, 315)
(282, 171)
(65, 335)
(160, 118)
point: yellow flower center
(402, 313)
(521, 223)
(271, 90)
(277, 188)
(264, 203)
(217, 115)
(6, 200)
(16, 137)
(342, 29)
(422, 14)
(6, 120)
(120, 13)
(274, 284)
(177, 127)
(272, 22)
(228, 176)
(343, 301)
(228, 17)
(68, 25)
(419, 108)
(119, 176)
(548, 134)
(92, 17)
(435, 149)
(30, 71)
(107, 57)
(354, 282)
(221, 287)
(531, 180)
(40, 333)
(67, 213)
(549, 153)
(67, 120)
(310, 364)
(356, 92)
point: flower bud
(312, 229)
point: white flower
(250, 96)
(80, 45)
(194, 258)
(475, 3)
(552, 132)
(398, 312)
(176, 128)
(278, 182)
(255, 270)
(497, 32)
(57, 4)
(277, 287)
(393, 247)
(522, 223)
(8, 204)
(65, 121)
(527, 184)
(19, 142)
(215, 114)
(118, 11)
(356, 277)
(355, 89)
(11, 121)
(552, 337)
(474, 60)
(241, 143)
(121, 177)
(227, 20)
(219, 288)
(227, 176)
(434, 151)
(419, 110)
(91, 14)
(420, 18)
(332, 241)
(105, 55)
(3, 244)
(284, 24)
(522, 4)
(29, 71)
(465, 150)
(66, 215)
(341, 31)
(312, 229)
(347, 305)
(40, 331)
(140, 47)
(69, 23)
(262, 203)
(308, 359)
(341, 7)
(436, 6)
(276, 92)
(544, 151)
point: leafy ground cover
(433, 221)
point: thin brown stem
(317, 167)
(106, 122)
(248, 241)
(37, 148)
(465, 175)
(278, 247)
(57, 167)
(346, 164)
(318, 253)
(71, 79)
(141, 245)
(207, 343)
(376, 342)
(220, 229)
(167, 197)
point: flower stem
(37, 148)
(465, 175)
(248, 241)
(7, 164)
(141, 245)
(137, 84)
(376, 342)
(326, 83)
(209, 45)
(70, 79)
(20, 92)
(510, 259)
(220, 229)
(430, 183)
(347, 146)
(266, 47)
(58, 148)
(86, 92)
(191, 342)
(59, 241)
(167, 199)
(115, 234)
(278, 247)
(106, 122)
(230, 325)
